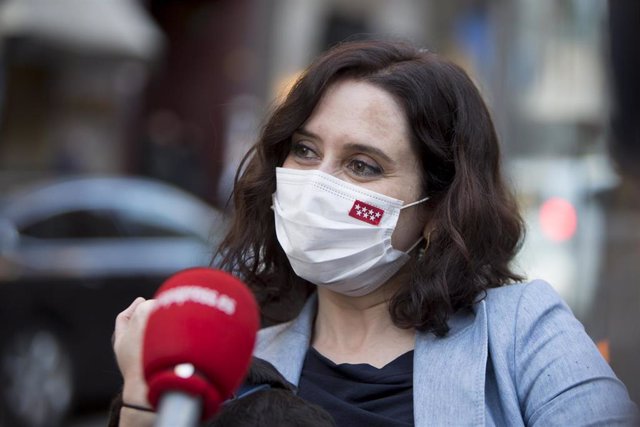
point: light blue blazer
(518, 358)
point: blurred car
(73, 254)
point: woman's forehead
(359, 112)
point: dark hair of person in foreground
(276, 406)
(475, 229)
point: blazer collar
(285, 345)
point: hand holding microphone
(196, 347)
(127, 346)
(197, 344)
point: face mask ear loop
(414, 245)
(421, 237)
(415, 203)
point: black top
(360, 395)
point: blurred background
(122, 123)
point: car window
(81, 224)
(102, 223)
(133, 225)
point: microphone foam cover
(205, 319)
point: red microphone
(198, 344)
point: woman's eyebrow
(304, 132)
(352, 146)
(368, 149)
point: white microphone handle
(178, 409)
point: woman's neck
(358, 329)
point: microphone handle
(178, 409)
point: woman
(375, 197)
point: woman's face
(360, 134)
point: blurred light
(605, 351)
(284, 85)
(558, 219)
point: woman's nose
(329, 163)
(326, 167)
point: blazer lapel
(449, 373)
(285, 346)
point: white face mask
(337, 234)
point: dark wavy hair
(475, 227)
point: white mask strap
(414, 245)
(415, 203)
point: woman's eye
(302, 151)
(364, 169)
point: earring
(427, 237)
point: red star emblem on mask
(366, 212)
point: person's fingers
(123, 318)
(127, 347)
(128, 337)
(126, 314)
(142, 312)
